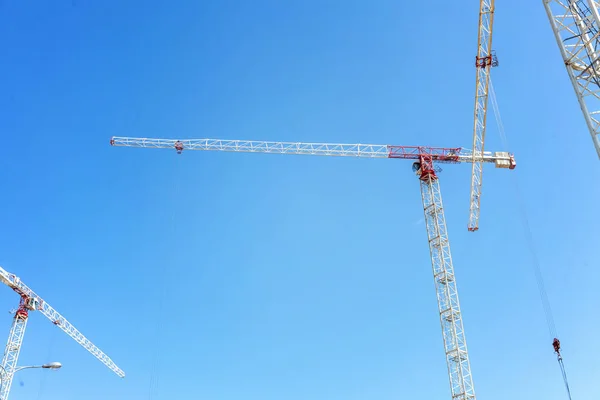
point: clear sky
(228, 276)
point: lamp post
(52, 365)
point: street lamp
(52, 365)
(3, 374)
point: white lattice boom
(439, 154)
(30, 301)
(12, 350)
(455, 345)
(484, 60)
(576, 27)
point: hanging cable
(529, 236)
(556, 344)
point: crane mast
(30, 301)
(484, 60)
(576, 27)
(13, 348)
(453, 333)
(455, 344)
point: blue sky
(244, 276)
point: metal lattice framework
(30, 301)
(484, 60)
(12, 350)
(576, 28)
(439, 154)
(455, 344)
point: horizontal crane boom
(438, 154)
(14, 282)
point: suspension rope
(529, 237)
(564, 374)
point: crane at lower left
(30, 301)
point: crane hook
(556, 345)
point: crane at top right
(576, 27)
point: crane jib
(30, 301)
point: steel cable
(529, 237)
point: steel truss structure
(30, 301)
(455, 344)
(13, 349)
(484, 60)
(576, 24)
(438, 154)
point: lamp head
(52, 365)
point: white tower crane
(576, 27)
(455, 344)
(30, 301)
(484, 60)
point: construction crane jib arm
(484, 60)
(455, 344)
(576, 27)
(438, 154)
(33, 302)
